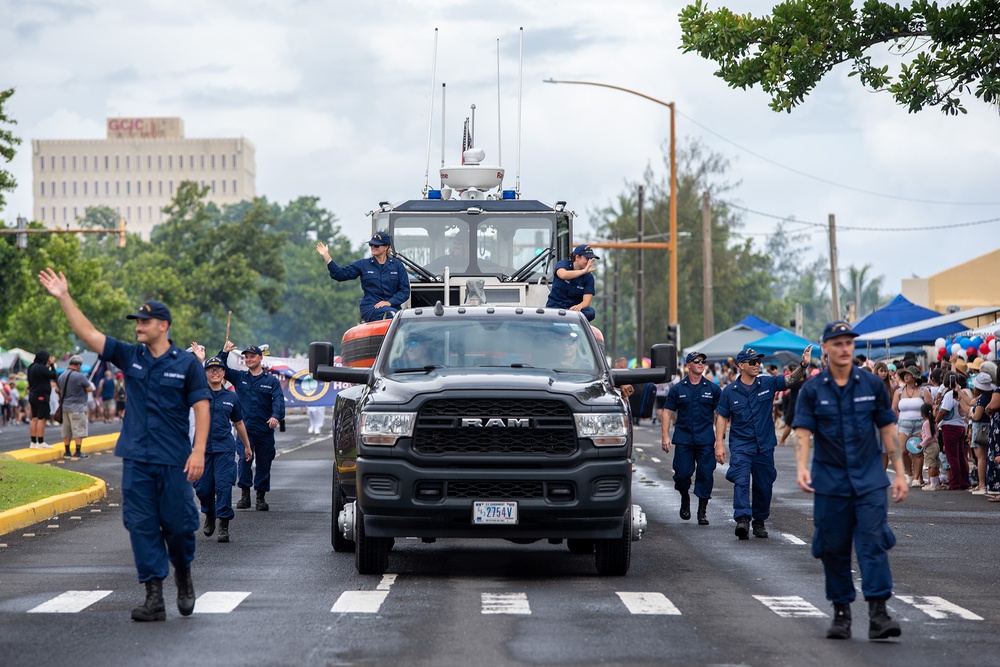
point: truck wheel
(613, 557)
(340, 543)
(580, 546)
(371, 554)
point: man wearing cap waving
(573, 284)
(746, 403)
(841, 407)
(158, 463)
(263, 405)
(693, 401)
(384, 281)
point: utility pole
(639, 320)
(706, 264)
(614, 305)
(834, 280)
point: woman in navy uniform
(573, 282)
(158, 462)
(384, 281)
(842, 407)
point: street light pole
(673, 184)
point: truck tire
(371, 554)
(585, 547)
(613, 557)
(340, 543)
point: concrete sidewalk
(19, 517)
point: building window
(106, 163)
(53, 194)
(107, 189)
(43, 214)
(149, 210)
(138, 163)
(191, 162)
(213, 187)
(128, 163)
(74, 212)
(213, 162)
(118, 188)
(97, 188)
(118, 163)
(223, 187)
(74, 163)
(63, 168)
(43, 189)
(64, 190)
(180, 161)
(41, 166)
(138, 213)
(149, 188)
(74, 188)
(64, 214)
(171, 188)
(170, 162)
(222, 160)
(234, 160)
(85, 193)
(128, 187)
(138, 187)
(234, 187)
(53, 214)
(128, 212)
(203, 163)
(149, 163)
(160, 188)
(159, 162)
(52, 166)
(85, 163)
(96, 164)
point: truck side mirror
(320, 354)
(664, 355)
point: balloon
(976, 341)
(990, 337)
(992, 356)
(963, 354)
(955, 348)
(963, 341)
(993, 345)
(939, 343)
(984, 348)
(941, 353)
(970, 351)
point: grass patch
(22, 483)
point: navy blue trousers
(839, 520)
(697, 460)
(215, 487)
(262, 446)
(383, 313)
(159, 513)
(752, 475)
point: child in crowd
(931, 448)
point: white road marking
(649, 603)
(639, 449)
(219, 602)
(387, 581)
(937, 607)
(654, 459)
(789, 606)
(360, 602)
(792, 538)
(70, 602)
(505, 603)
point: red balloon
(984, 348)
(941, 353)
(990, 337)
(971, 351)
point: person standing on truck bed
(263, 405)
(384, 280)
(746, 402)
(573, 284)
(693, 401)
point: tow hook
(638, 523)
(345, 521)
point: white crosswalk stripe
(649, 603)
(70, 602)
(505, 603)
(937, 607)
(219, 602)
(360, 602)
(789, 606)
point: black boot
(81, 455)
(152, 609)
(223, 530)
(743, 528)
(703, 511)
(261, 505)
(759, 530)
(880, 624)
(685, 505)
(840, 628)
(244, 502)
(68, 452)
(210, 523)
(185, 591)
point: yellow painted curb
(19, 517)
(94, 443)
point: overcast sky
(335, 96)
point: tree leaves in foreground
(945, 51)
(7, 151)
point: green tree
(7, 143)
(860, 281)
(945, 51)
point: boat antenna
(442, 122)
(520, 80)
(430, 116)
(472, 128)
(499, 124)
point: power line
(862, 229)
(834, 183)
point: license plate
(490, 511)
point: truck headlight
(384, 428)
(606, 429)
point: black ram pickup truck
(485, 422)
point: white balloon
(993, 345)
(955, 348)
(962, 353)
(939, 343)
(992, 356)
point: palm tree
(860, 282)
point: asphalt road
(279, 595)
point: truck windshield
(491, 342)
(473, 245)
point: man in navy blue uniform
(573, 284)
(263, 405)
(693, 400)
(215, 488)
(384, 281)
(158, 462)
(842, 407)
(746, 403)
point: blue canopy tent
(728, 343)
(763, 326)
(783, 345)
(902, 311)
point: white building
(136, 171)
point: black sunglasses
(753, 362)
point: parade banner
(299, 387)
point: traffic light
(672, 335)
(22, 239)
(121, 233)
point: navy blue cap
(253, 349)
(584, 250)
(151, 310)
(694, 355)
(838, 328)
(214, 362)
(747, 355)
(380, 238)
